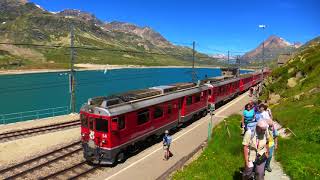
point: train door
(120, 132)
(180, 105)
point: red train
(115, 125)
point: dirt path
(277, 171)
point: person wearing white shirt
(266, 113)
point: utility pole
(72, 71)
(263, 27)
(193, 59)
(239, 64)
(262, 55)
(228, 58)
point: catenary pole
(228, 58)
(193, 60)
(72, 71)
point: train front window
(102, 125)
(91, 123)
(84, 120)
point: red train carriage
(245, 82)
(222, 89)
(257, 78)
(114, 125)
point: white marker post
(212, 108)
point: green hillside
(29, 24)
(298, 84)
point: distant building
(230, 71)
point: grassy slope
(33, 25)
(299, 154)
(221, 159)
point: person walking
(255, 151)
(266, 115)
(167, 139)
(248, 121)
(256, 106)
(273, 143)
(251, 92)
(259, 113)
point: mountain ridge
(273, 47)
(27, 23)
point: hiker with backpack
(166, 145)
(255, 151)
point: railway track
(51, 164)
(12, 135)
(74, 172)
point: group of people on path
(259, 140)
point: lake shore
(90, 67)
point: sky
(215, 26)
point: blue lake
(29, 92)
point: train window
(197, 98)
(143, 116)
(91, 123)
(121, 122)
(189, 100)
(101, 125)
(84, 120)
(169, 108)
(158, 112)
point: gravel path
(277, 171)
(38, 123)
(19, 150)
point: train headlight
(104, 141)
(83, 134)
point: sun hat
(166, 132)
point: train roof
(114, 109)
(220, 80)
(135, 95)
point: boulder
(292, 82)
(274, 98)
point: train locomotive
(113, 126)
